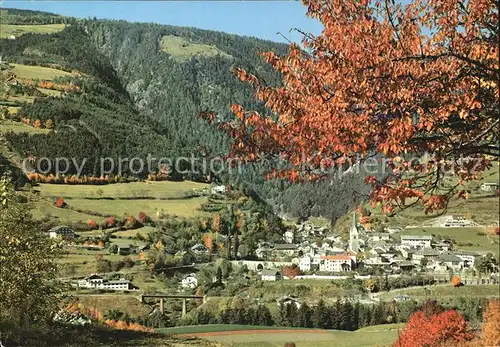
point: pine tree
(336, 314)
(321, 316)
(304, 317)
(346, 316)
(355, 319)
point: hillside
(112, 89)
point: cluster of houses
(388, 250)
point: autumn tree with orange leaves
(491, 324)
(402, 80)
(432, 330)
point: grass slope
(444, 292)
(251, 336)
(17, 127)
(160, 190)
(473, 239)
(37, 72)
(182, 49)
(8, 30)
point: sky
(262, 19)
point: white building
(427, 253)
(199, 248)
(271, 275)
(468, 257)
(63, 231)
(218, 189)
(97, 282)
(288, 236)
(376, 237)
(451, 261)
(354, 235)
(456, 222)
(489, 187)
(190, 281)
(337, 263)
(305, 263)
(416, 240)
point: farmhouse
(427, 253)
(63, 231)
(455, 221)
(284, 249)
(271, 275)
(97, 282)
(416, 240)
(451, 261)
(468, 257)
(190, 281)
(288, 300)
(199, 248)
(489, 187)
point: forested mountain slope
(140, 88)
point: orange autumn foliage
(291, 271)
(110, 222)
(39, 178)
(95, 315)
(490, 335)
(208, 241)
(456, 281)
(60, 202)
(431, 330)
(92, 224)
(37, 123)
(396, 78)
(216, 223)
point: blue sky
(261, 19)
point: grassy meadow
(182, 49)
(37, 72)
(17, 127)
(119, 199)
(178, 207)
(159, 190)
(250, 336)
(8, 30)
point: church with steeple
(354, 235)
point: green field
(44, 208)
(443, 293)
(7, 30)
(168, 198)
(17, 127)
(37, 72)
(50, 92)
(159, 190)
(250, 336)
(181, 208)
(473, 238)
(181, 49)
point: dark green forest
(136, 99)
